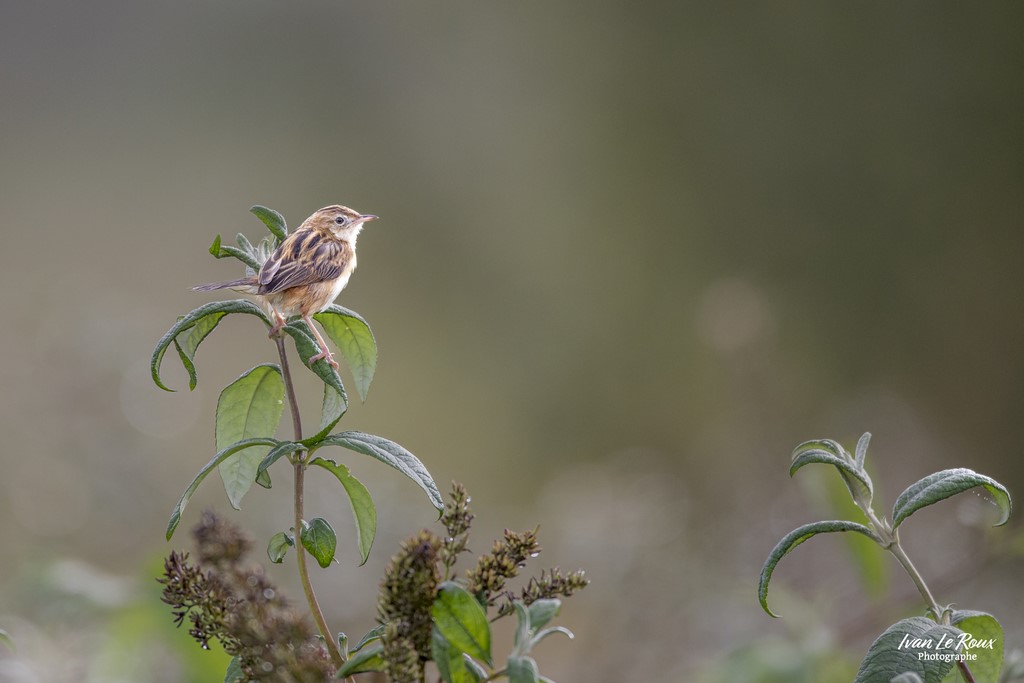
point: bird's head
(343, 222)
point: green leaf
(319, 539)
(367, 660)
(872, 566)
(907, 677)
(247, 257)
(477, 672)
(522, 635)
(278, 546)
(543, 611)
(862, 449)
(254, 253)
(795, 538)
(215, 247)
(207, 468)
(187, 343)
(248, 408)
(187, 322)
(898, 651)
(353, 337)
(263, 479)
(272, 219)
(334, 406)
(6, 639)
(855, 478)
(332, 409)
(373, 634)
(389, 453)
(234, 673)
(462, 621)
(451, 664)
(541, 635)
(944, 484)
(522, 670)
(275, 454)
(362, 504)
(984, 639)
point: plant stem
(299, 463)
(897, 550)
(901, 556)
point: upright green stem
(894, 547)
(300, 552)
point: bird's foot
(279, 323)
(324, 355)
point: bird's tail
(243, 284)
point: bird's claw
(324, 355)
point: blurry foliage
(914, 649)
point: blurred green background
(630, 255)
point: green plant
(918, 648)
(216, 593)
(426, 613)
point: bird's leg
(324, 352)
(279, 322)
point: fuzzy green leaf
(319, 539)
(246, 256)
(476, 672)
(278, 546)
(187, 343)
(331, 411)
(907, 677)
(353, 337)
(795, 538)
(187, 322)
(248, 408)
(285, 448)
(389, 453)
(462, 621)
(451, 664)
(254, 253)
(361, 662)
(862, 450)
(362, 504)
(522, 635)
(855, 478)
(207, 468)
(543, 611)
(522, 670)
(373, 634)
(541, 635)
(215, 247)
(985, 641)
(234, 674)
(272, 219)
(334, 406)
(898, 649)
(944, 484)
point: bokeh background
(630, 255)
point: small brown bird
(308, 271)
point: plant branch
(901, 556)
(299, 463)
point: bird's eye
(340, 220)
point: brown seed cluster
(238, 606)
(506, 558)
(406, 595)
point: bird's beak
(368, 217)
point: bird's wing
(304, 258)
